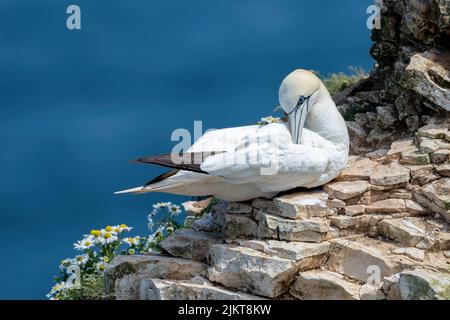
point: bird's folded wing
(268, 166)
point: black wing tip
(166, 160)
(137, 160)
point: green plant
(337, 82)
(92, 287)
(351, 111)
(82, 277)
(209, 207)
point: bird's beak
(297, 121)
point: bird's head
(298, 93)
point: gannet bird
(247, 162)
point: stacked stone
(379, 231)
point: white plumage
(261, 161)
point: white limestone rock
(288, 250)
(156, 289)
(343, 222)
(362, 258)
(436, 196)
(391, 174)
(195, 208)
(355, 210)
(371, 292)
(123, 274)
(406, 231)
(413, 253)
(417, 76)
(275, 227)
(345, 190)
(433, 131)
(301, 205)
(241, 267)
(387, 206)
(324, 285)
(358, 168)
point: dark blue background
(75, 106)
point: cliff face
(379, 231)
(410, 85)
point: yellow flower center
(95, 233)
(87, 243)
(106, 259)
(117, 230)
(107, 235)
(108, 228)
(101, 267)
(123, 226)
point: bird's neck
(325, 120)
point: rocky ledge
(379, 231)
(411, 78)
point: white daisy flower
(124, 227)
(84, 244)
(116, 229)
(161, 205)
(159, 231)
(170, 229)
(132, 241)
(58, 288)
(82, 259)
(174, 210)
(110, 229)
(100, 266)
(66, 263)
(106, 238)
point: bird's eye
(301, 100)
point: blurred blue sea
(75, 106)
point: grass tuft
(336, 82)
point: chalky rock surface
(380, 230)
(245, 268)
(410, 82)
(125, 273)
(324, 285)
(197, 289)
